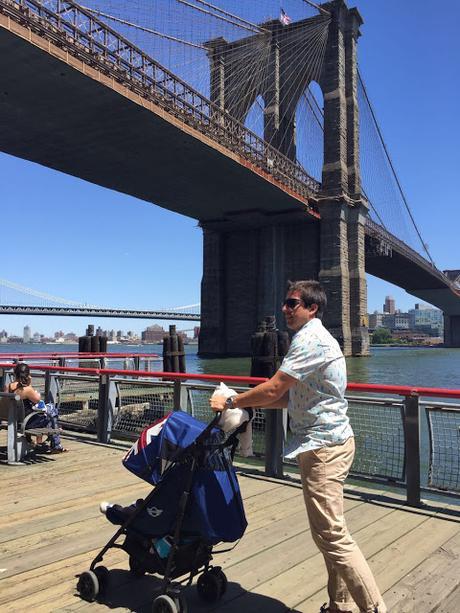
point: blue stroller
(196, 503)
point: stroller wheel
(88, 585)
(165, 604)
(136, 567)
(102, 574)
(211, 586)
(218, 572)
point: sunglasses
(291, 303)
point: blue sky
(69, 238)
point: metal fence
(399, 439)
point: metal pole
(104, 413)
(177, 395)
(47, 385)
(412, 435)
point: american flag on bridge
(284, 18)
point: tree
(381, 336)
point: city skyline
(137, 331)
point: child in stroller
(195, 505)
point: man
(311, 382)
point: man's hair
(311, 292)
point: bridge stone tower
(249, 258)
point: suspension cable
(143, 28)
(387, 155)
(316, 6)
(252, 28)
(232, 15)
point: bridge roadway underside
(92, 127)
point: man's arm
(273, 394)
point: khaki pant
(351, 581)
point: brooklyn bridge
(292, 199)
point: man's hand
(217, 402)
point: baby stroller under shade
(195, 504)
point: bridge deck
(51, 529)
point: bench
(12, 412)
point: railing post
(51, 387)
(177, 395)
(104, 411)
(2, 379)
(137, 363)
(412, 435)
(47, 385)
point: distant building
(402, 321)
(375, 320)
(153, 334)
(388, 321)
(427, 319)
(389, 306)
(27, 335)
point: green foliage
(381, 336)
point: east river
(428, 367)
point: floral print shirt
(317, 406)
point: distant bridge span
(95, 312)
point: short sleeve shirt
(317, 406)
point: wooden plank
(426, 586)
(450, 604)
(393, 553)
(44, 577)
(299, 580)
(298, 558)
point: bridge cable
(316, 6)
(317, 110)
(312, 55)
(299, 46)
(142, 28)
(252, 28)
(393, 169)
(232, 15)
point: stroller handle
(214, 421)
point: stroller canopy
(160, 455)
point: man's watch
(229, 404)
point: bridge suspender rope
(142, 28)
(398, 183)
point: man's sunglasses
(292, 303)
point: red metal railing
(406, 428)
(397, 390)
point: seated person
(22, 387)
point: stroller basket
(195, 504)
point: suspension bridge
(16, 299)
(256, 124)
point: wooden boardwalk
(51, 528)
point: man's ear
(313, 308)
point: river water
(415, 366)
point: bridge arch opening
(254, 119)
(309, 132)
